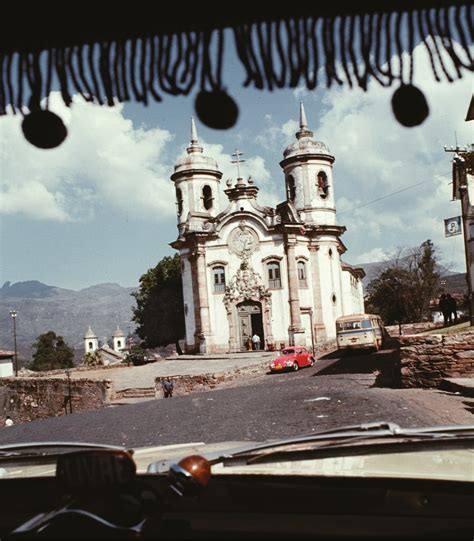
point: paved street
(334, 392)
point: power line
(393, 193)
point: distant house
(6, 363)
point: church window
(219, 279)
(322, 184)
(334, 298)
(119, 344)
(330, 252)
(274, 281)
(90, 345)
(179, 200)
(207, 198)
(291, 189)
(302, 274)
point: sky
(101, 207)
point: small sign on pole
(452, 226)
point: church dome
(118, 333)
(90, 333)
(305, 144)
(195, 158)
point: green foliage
(402, 291)
(137, 356)
(159, 311)
(92, 358)
(51, 353)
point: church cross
(237, 155)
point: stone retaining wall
(186, 384)
(412, 328)
(27, 399)
(25, 373)
(426, 359)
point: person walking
(256, 341)
(452, 308)
(443, 307)
(168, 386)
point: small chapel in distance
(252, 269)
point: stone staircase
(141, 392)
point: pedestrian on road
(452, 308)
(167, 387)
(256, 341)
(8, 421)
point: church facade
(250, 269)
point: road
(335, 392)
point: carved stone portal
(246, 285)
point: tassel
(352, 48)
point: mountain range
(69, 313)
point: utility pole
(463, 189)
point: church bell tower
(197, 179)
(307, 166)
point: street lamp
(68, 374)
(312, 330)
(13, 314)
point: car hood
(440, 464)
(283, 358)
(406, 453)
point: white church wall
(330, 285)
(349, 307)
(217, 250)
(188, 300)
(360, 297)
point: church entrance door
(250, 323)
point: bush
(92, 358)
(137, 356)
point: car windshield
(180, 209)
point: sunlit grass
(452, 329)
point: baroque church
(252, 269)
(109, 355)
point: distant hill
(67, 312)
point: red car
(292, 358)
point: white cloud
(33, 199)
(104, 161)
(373, 255)
(274, 135)
(376, 156)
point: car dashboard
(250, 506)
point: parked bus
(360, 331)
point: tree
(51, 353)
(404, 287)
(159, 311)
(92, 358)
(137, 356)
